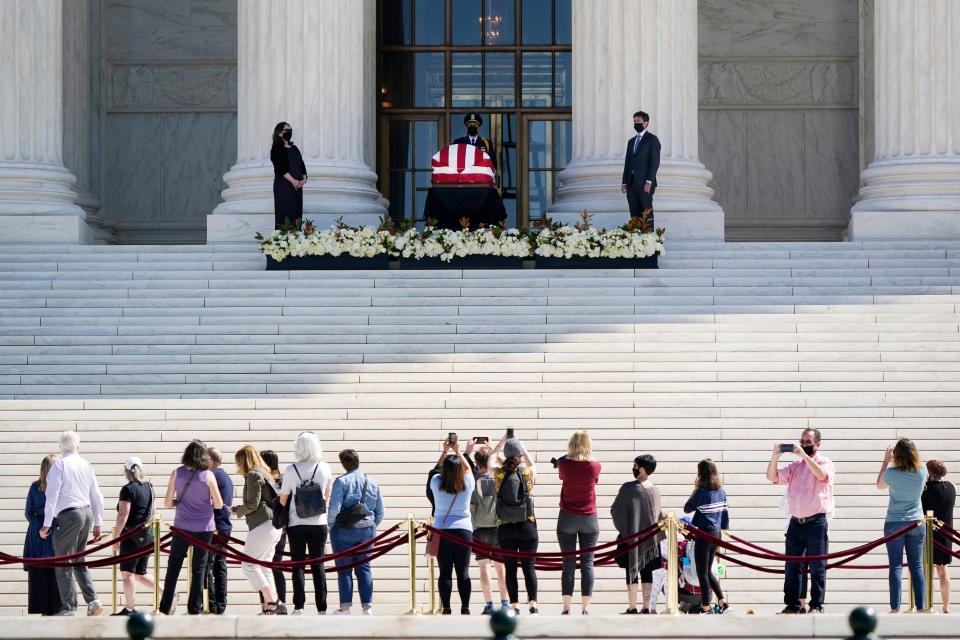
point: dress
(43, 595)
(940, 497)
(287, 201)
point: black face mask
(286, 135)
(638, 127)
(809, 449)
(472, 131)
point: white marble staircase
(723, 351)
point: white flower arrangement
(633, 240)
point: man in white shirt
(74, 499)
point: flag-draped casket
(463, 164)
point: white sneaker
(94, 608)
(368, 611)
(297, 612)
(342, 612)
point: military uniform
(478, 140)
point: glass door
(548, 147)
(408, 143)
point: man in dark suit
(640, 167)
(473, 122)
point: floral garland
(548, 239)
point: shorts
(137, 566)
(488, 536)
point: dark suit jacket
(483, 143)
(643, 165)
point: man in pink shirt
(809, 483)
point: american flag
(462, 164)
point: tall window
(508, 60)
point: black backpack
(309, 499)
(513, 499)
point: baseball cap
(133, 461)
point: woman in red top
(579, 473)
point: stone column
(911, 189)
(637, 55)
(37, 201)
(311, 63)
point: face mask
(809, 449)
(636, 472)
(638, 127)
(286, 135)
(472, 131)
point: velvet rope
(66, 560)
(368, 547)
(946, 549)
(233, 540)
(696, 533)
(486, 549)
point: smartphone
(481, 440)
(452, 438)
(786, 448)
(509, 432)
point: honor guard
(473, 122)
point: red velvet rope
(856, 552)
(486, 549)
(371, 547)
(946, 549)
(67, 560)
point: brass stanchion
(113, 569)
(156, 564)
(673, 566)
(928, 562)
(412, 558)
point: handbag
(308, 499)
(279, 514)
(433, 540)
(349, 517)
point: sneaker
(123, 612)
(534, 611)
(367, 611)
(790, 610)
(342, 612)
(487, 610)
(94, 608)
(173, 605)
(718, 609)
(280, 610)
(815, 610)
(297, 612)
(65, 612)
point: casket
(462, 164)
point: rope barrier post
(673, 566)
(156, 564)
(113, 571)
(928, 562)
(412, 556)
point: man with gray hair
(74, 499)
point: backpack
(483, 503)
(513, 500)
(279, 514)
(308, 498)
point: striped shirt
(709, 508)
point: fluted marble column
(637, 55)
(311, 63)
(37, 201)
(911, 189)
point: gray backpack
(483, 503)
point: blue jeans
(342, 539)
(913, 542)
(808, 538)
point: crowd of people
(480, 494)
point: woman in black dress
(940, 496)
(289, 176)
(43, 597)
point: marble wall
(170, 129)
(779, 123)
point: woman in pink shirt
(579, 473)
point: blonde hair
(45, 466)
(248, 459)
(580, 446)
